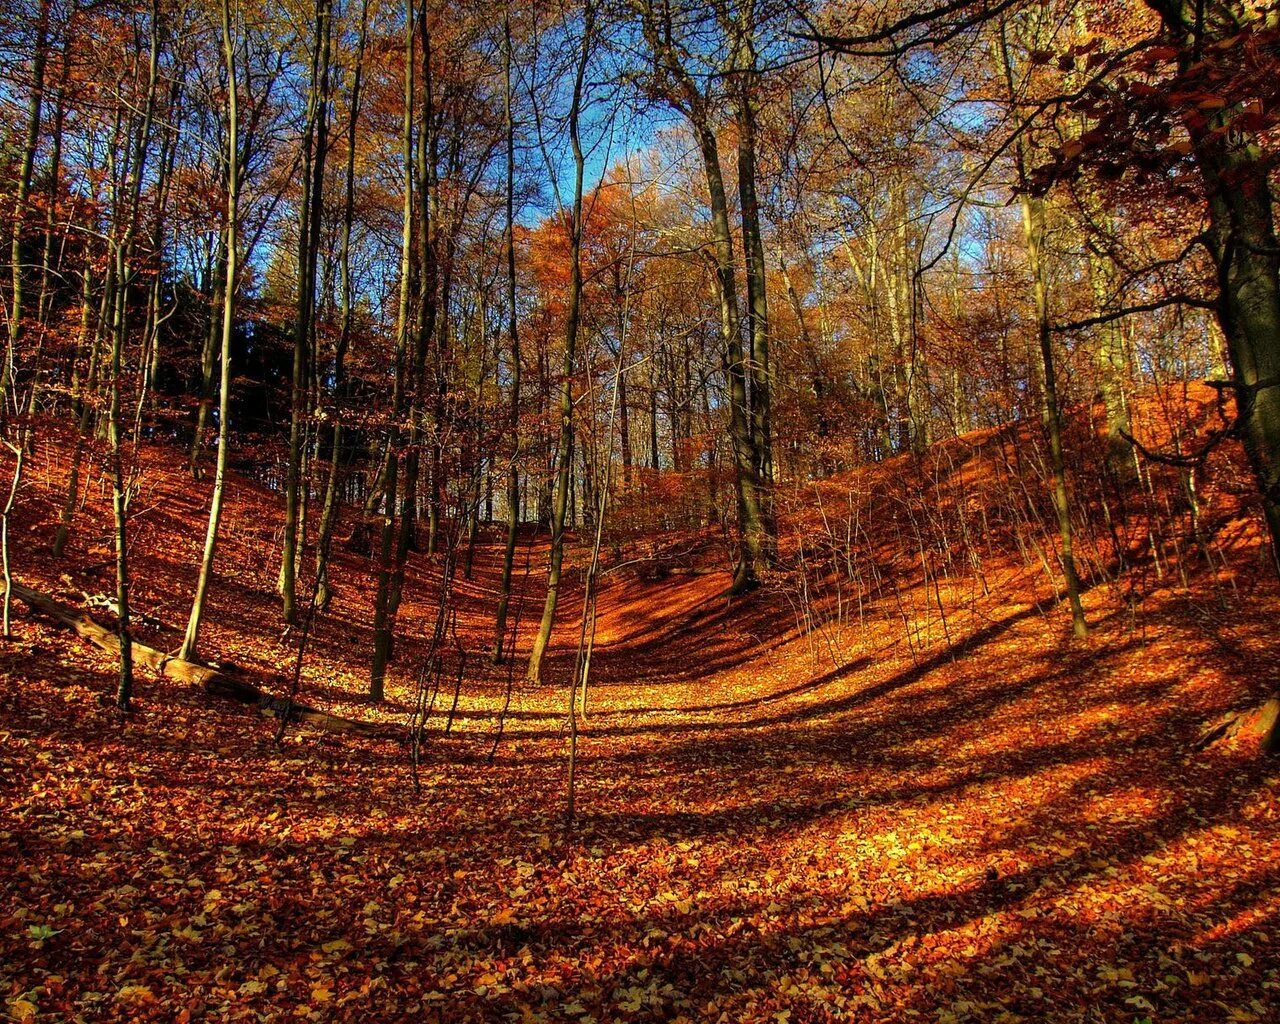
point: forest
(640, 510)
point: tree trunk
(513, 336)
(191, 639)
(751, 519)
(1033, 228)
(382, 633)
(564, 456)
(218, 286)
(329, 512)
(84, 409)
(758, 327)
(314, 151)
(119, 496)
(25, 171)
(217, 682)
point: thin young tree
(573, 319)
(26, 169)
(513, 340)
(230, 231)
(347, 301)
(314, 151)
(1034, 230)
(382, 612)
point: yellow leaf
(134, 994)
(506, 915)
(321, 994)
(22, 1011)
(336, 946)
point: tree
(382, 628)
(347, 303)
(1033, 228)
(513, 340)
(673, 81)
(573, 316)
(315, 148)
(230, 231)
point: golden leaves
(916, 840)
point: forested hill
(886, 783)
(612, 511)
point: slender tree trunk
(752, 526)
(1033, 228)
(217, 299)
(119, 495)
(513, 337)
(125, 172)
(1111, 362)
(191, 639)
(758, 327)
(84, 409)
(19, 450)
(654, 460)
(382, 630)
(382, 635)
(347, 286)
(315, 148)
(151, 359)
(25, 171)
(424, 329)
(564, 457)
(47, 272)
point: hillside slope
(776, 823)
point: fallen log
(1261, 724)
(108, 603)
(217, 682)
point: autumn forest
(640, 510)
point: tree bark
(1034, 227)
(25, 171)
(382, 611)
(315, 149)
(513, 337)
(329, 512)
(218, 286)
(564, 456)
(191, 638)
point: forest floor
(999, 824)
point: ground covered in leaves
(998, 824)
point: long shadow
(900, 776)
(834, 706)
